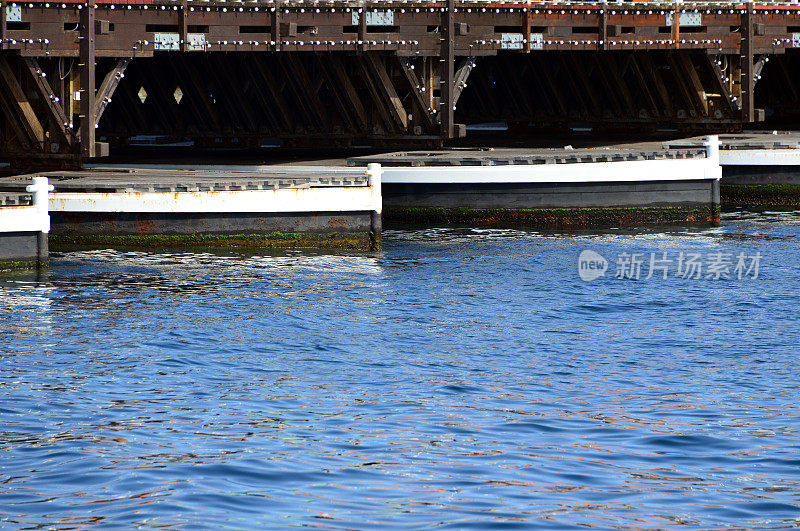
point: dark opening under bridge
(387, 72)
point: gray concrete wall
(90, 223)
(18, 246)
(761, 175)
(553, 195)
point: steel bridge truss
(313, 71)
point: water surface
(462, 378)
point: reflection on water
(461, 378)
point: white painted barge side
(104, 203)
(639, 171)
(24, 225)
(561, 187)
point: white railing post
(714, 170)
(374, 174)
(712, 149)
(40, 189)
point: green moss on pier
(743, 195)
(276, 240)
(16, 265)
(551, 218)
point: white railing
(663, 169)
(328, 198)
(29, 218)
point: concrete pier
(24, 226)
(758, 168)
(552, 188)
(156, 207)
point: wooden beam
(526, 28)
(759, 66)
(378, 104)
(611, 98)
(362, 26)
(461, 76)
(430, 76)
(346, 84)
(690, 73)
(446, 77)
(747, 79)
(183, 26)
(108, 86)
(71, 108)
(644, 86)
(338, 93)
(657, 82)
(56, 113)
(676, 26)
(22, 107)
(3, 8)
(680, 80)
(416, 88)
(275, 25)
(304, 84)
(266, 105)
(386, 87)
(722, 86)
(14, 121)
(87, 69)
(618, 78)
(279, 102)
(262, 103)
(602, 32)
(297, 92)
(319, 80)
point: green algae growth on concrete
(552, 218)
(15, 265)
(275, 240)
(742, 195)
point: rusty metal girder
(635, 62)
(139, 30)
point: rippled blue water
(461, 378)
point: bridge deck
(387, 72)
(139, 28)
